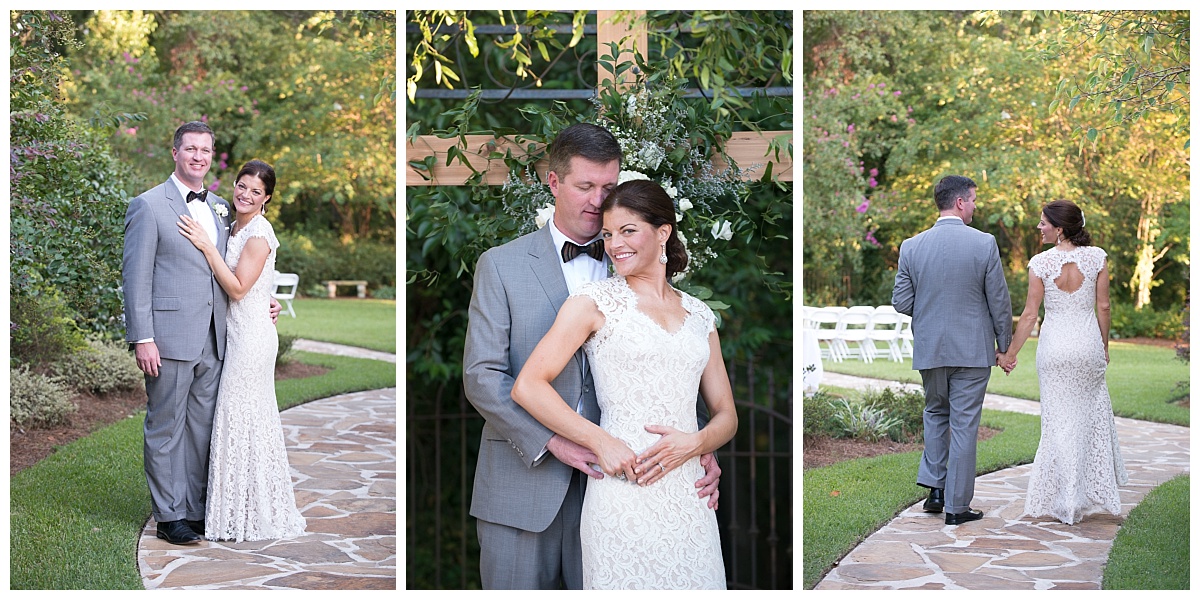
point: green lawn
(365, 323)
(847, 501)
(1141, 379)
(1152, 550)
(77, 515)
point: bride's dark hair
(651, 203)
(1065, 214)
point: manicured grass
(76, 516)
(847, 501)
(1141, 379)
(1152, 549)
(366, 323)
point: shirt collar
(183, 189)
(560, 237)
(959, 219)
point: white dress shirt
(581, 270)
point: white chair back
(291, 281)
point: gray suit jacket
(519, 288)
(169, 289)
(951, 283)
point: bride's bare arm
(250, 265)
(1028, 319)
(676, 447)
(1103, 309)
(576, 320)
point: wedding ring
(664, 469)
(621, 476)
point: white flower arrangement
(220, 210)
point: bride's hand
(615, 458)
(191, 229)
(671, 450)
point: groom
(529, 482)
(175, 320)
(951, 283)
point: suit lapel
(547, 267)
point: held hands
(276, 308)
(574, 455)
(1006, 361)
(194, 232)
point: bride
(249, 485)
(652, 349)
(1078, 465)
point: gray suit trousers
(179, 416)
(515, 559)
(953, 405)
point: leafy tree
(1140, 65)
(68, 191)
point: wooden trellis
(745, 148)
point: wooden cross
(745, 148)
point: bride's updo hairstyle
(264, 173)
(1065, 214)
(651, 203)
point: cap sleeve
(261, 228)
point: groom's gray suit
(519, 288)
(951, 282)
(171, 296)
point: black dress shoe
(963, 517)
(197, 526)
(177, 532)
(936, 501)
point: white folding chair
(825, 323)
(885, 327)
(853, 324)
(290, 281)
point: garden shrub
(384, 292)
(818, 414)
(41, 329)
(283, 353)
(1146, 322)
(38, 401)
(321, 256)
(907, 407)
(861, 421)
(102, 367)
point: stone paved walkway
(1005, 551)
(342, 452)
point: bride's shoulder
(695, 305)
(608, 293)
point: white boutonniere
(220, 210)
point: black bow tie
(200, 195)
(594, 250)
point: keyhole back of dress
(1070, 279)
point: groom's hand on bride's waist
(570, 453)
(712, 476)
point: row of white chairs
(837, 327)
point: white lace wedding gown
(249, 485)
(1078, 466)
(659, 536)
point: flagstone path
(1005, 551)
(342, 452)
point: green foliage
(320, 255)
(41, 329)
(981, 104)
(385, 292)
(103, 367)
(819, 414)
(283, 354)
(906, 408)
(862, 421)
(38, 401)
(67, 189)
(1152, 551)
(1138, 64)
(1128, 322)
(310, 92)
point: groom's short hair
(950, 188)
(591, 142)
(193, 127)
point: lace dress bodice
(1078, 466)
(659, 536)
(249, 483)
